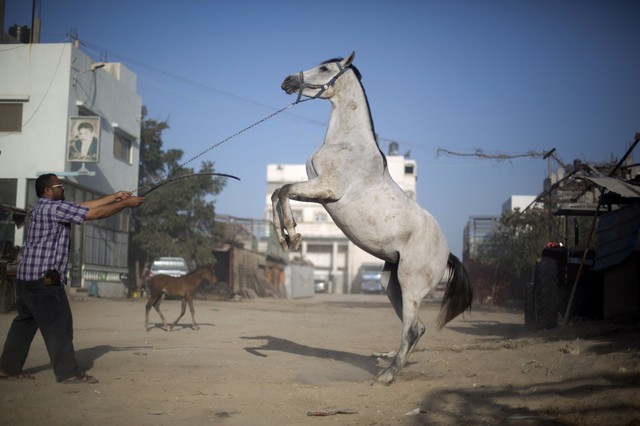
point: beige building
(336, 260)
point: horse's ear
(347, 62)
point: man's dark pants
(47, 308)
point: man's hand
(135, 201)
(122, 195)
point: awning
(616, 185)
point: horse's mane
(340, 59)
(359, 75)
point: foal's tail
(459, 293)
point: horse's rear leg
(153, 301)
(406, 302)
(156, 305)
(389, 281)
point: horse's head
(318, 82)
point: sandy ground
(275, 362)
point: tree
(518, 240)
(513, 248)
(178, 218)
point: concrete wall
(55, 82)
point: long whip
(215, 145)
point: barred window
(122, 147)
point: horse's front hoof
(294, 241)
(283, 244)
(196, 327)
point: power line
(102, 54)
(480, 153)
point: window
(319, 248)
(122, 147)
(321, 217)
(10, 117)
(408, 169)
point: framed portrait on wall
(84, 139)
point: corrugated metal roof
(617, 236)
(616, 185)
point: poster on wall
(84, 133)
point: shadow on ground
(366, 363)
(581, 399)
(87, 356)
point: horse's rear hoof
(385, 378)
(379, 384)
(385, 355)
(196, 327)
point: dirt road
(275, 362)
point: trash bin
(93, 289)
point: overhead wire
(99, 52)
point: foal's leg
(156, 305)
(183, 307)
(193, 313)
(147, 308)
(153, 300)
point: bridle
(323, 87)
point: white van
(173, 266)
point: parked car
(369, 276)
(173, 266)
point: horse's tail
(459, 293)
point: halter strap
(323, 87)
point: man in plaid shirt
(42, 274)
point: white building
(520, 202)
(336, 259)
(46, 91)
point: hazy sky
(506, 77)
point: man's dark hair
(43, 182)
(85, 125)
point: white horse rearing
(348, 175)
